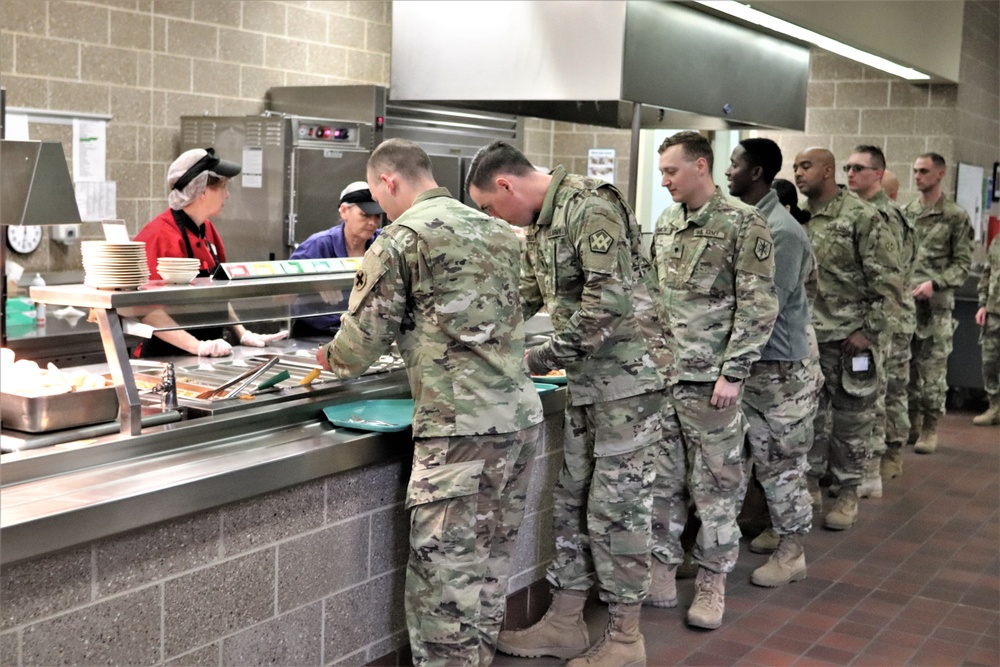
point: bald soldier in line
(859, 284)
(890, 183)
(865, 177)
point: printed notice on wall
(90, 145)
(253, 167)
(96, 200)
(601, 164)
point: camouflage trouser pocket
(443, 503)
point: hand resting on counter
(214, 348)
(251, 339)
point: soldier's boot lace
(766, 542)
(663, 586)
(785, 565)
(992, 415)
(814, 493)
(561, 633)
(871, 481)
(892, 461)
(709, 600)
(916, 424)
(927, 442)
(845, 510)
(622, 644)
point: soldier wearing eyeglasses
(944, 256)
(865, 172)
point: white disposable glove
(214, 348)
(251, 339)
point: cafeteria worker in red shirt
(197, 182)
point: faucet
(168, 382)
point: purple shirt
(323, 245)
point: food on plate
(558, 373)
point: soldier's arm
(603, 250)
(961, 254)
(885, 278)
(375, 310)
(984, 279)
(531, 293)
(756, 297)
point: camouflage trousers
(466, 498)
(701, 461)
(897, 418)
(989, 343)
(602, 500)
(844, 421)
(780, 399)
(931, 347)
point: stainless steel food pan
(40, 414)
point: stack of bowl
(180, 270)
(115, 266)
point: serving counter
(250, 532)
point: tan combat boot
(927, 442)
(892, 461)
(622, 644)
(709, 600)
(916, 423)
(814, 493)
(663, 587)
(871, 480)
(562, 632)
(785, 565)
(845, 510)
(992, 415)
(766, 542)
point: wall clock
(24, 239)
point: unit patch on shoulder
(763, 249)
(359, 279)
(601, 241)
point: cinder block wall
(149, 62)
(310, 575)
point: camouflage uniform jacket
(441, 282)
(944, 248)
(860, 282)
(906, 240)
(793, 266)
(584, 262)
(716, 278)
(989, 280)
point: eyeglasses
(848, 168)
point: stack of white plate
(178, 269)
(118, 266)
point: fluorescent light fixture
(741, 11)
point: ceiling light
(754, 16)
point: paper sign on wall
(601, 164)
(90, 146)
(253, 167)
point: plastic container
(38, 281)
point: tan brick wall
(148, 62)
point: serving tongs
(240, 382)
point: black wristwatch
(730, 378)
(935, 285)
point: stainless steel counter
(68, 494)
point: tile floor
(915, 582)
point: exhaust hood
(593, 62)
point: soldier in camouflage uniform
(944, 257)
(858, 288)
(584, 262)
(988, 317)
(440, 282)
(865, 172)
(780, 397)
(714, 262)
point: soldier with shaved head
(859, 284)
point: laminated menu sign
(292, 267)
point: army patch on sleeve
(601, 241)
(359, 279)
(763, 249)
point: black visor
(211, 162)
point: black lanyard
(180, 217)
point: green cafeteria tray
(384, 416)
